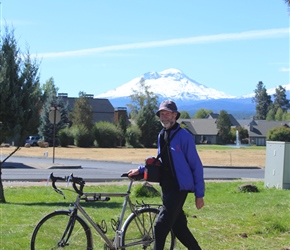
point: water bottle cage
(103, 227)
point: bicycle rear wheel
(59, 230)
(138, 231)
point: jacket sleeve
(187, 164)
(196, 168)
(141, 169)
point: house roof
(201, 126)
(215, 116)
(102, 109)
(260, 128)
(98, 105)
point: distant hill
(239, 108)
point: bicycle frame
(116, 243)
(93, 197)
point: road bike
(70, 228)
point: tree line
(268, 109)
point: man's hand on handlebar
(133, 172)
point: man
(182, 172)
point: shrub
(279, 134)
(107, 134)
(82, 136)
(65, 137)
(246, 188)
(146, 190)
(133, 135)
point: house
(102, 108)
(205, 130)
(258, 129)
(120, 112)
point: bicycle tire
(138, 230)
(49, 231)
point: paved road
(38, 169)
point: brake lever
(54, 179)
(68, 180)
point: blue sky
(98, 45)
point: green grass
(264, 216)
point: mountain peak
(170, 83)
(169, 73)
(172, 73)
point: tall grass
(229, 220)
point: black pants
(172, 217)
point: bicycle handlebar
(79, 181)
(137, 177)
(75, 181)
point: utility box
(277, 171)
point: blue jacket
(186, 162)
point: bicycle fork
(68, 230)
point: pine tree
(122, 126)
(51, 101)
(263, 101)
(82, 112)
(286, 116)
(224, 126)
(143, 106)
(279, 114)
(20, 92)
(280, 99)
(271, 115)
(148, 124)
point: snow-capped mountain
(188, 94)
(170, 83)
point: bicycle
(67, 229)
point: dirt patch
(228, 157)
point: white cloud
(285, 69)
(247, 35)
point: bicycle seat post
(130, 185)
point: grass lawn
(230, 219)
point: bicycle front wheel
(59, 230)
(138, 231)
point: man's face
(167, 118)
